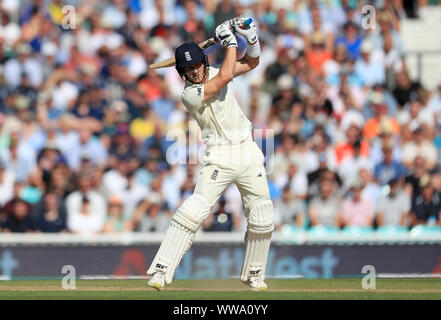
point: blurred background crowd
(84, 122)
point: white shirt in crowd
(7, 180)
(92, 222)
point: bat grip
(245, 23)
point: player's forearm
(250, 61)
(228, 66)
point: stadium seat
(321, 233)
(289, 229)
(392, 234)
(322, 230)
(357, 230)
(351, 234)
(426, 233)
(391, 230)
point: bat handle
(245, 23)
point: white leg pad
(256, 255)
(257, 239)
(177, 241)
(261, 217)
(193, 211)
(180, 235)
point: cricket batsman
(231, 157)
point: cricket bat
(170, 62)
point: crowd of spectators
(84, 122)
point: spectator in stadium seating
(279, 161)
(405, 89)
(314, 177)
(156, 147)
(19, 219)
(419, 146)
(151, 215)
(122, 145)
(391, 59)
(220, 221)
(351, 40)
(386, 137)
(324, 167)
(115, 220)
(50, 214)
(426, 209)
(317, 55)
(372, 126)
(367, 67)
(115, 181)
(351, 166)
(296, 180)
(23, 62)
(142, 128)
(325, 208)
(371, 189)
(389, 26)
(7, 180)
(436, 182)
(132, 195)
(379, 95)
(289, 210)
(18, 157)
(86, 208)
(333, 67)
(62, 181)
(388, 169)
(347, 108)
(345, 149)
(286, 97)
(85, 143)
(356, 210)
(187, 186)
(416, 115)
(278, 68)
(147, 171)
(412, 180)
(434, 104)
(393, 208)
(303, 156)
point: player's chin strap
(257, 239)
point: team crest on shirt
(214, 174)
(199, 91)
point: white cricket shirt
(221, 119)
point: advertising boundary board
(217, 261)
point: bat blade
(170, 62)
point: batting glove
(249, 32)
(225, 35)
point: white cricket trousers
(241, 164)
